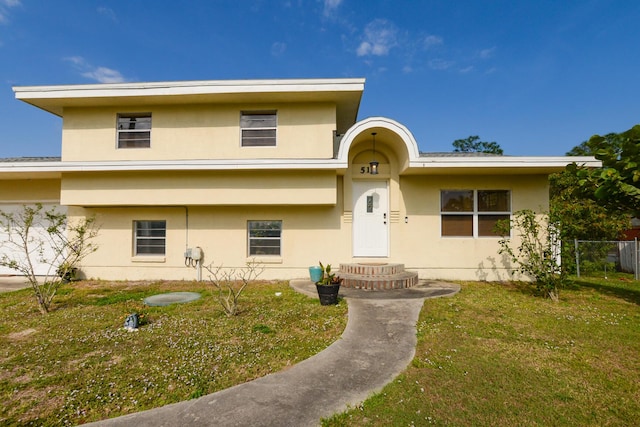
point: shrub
(537, 256)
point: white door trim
(370, 236)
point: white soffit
(487, 164)
(55, 98)
(428, 165)
(167, 165)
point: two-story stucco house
(277, 170)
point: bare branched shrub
(230, 282)
(61, 247)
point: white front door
(370, 219)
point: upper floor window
(258, 128)
(473, 213)
(134, 130)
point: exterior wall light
(373, 165)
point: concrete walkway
(12, 283)
(377, 345)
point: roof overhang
(345, 93)
(422, 166)
(41, 170)
(519, 165)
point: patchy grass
(494, 355)
(78, 363)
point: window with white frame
(264, 237)
(473, 213)
(150, 237)
(258, 128)
(134, 130)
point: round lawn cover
(171, 298)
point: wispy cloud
(440, 64)
(486, 53)
(278, 48)
(330, 6)
(99, 74)
(431, 41)
(380, 36)
(5, 5)
(108, 12)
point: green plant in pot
(328, 286)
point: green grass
(78, 363)
(494, 355)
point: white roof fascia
(189, 88)
(172, 165)
(503, 162)
(290, 164)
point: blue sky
(538, 77)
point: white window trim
(475, 213)
(118, 131)
(252, 112)
(148, 257)
(264, 256)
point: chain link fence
(597, 258)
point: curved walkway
(377, 345)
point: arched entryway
(372, 200)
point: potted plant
(328, 286)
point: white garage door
(38, 232)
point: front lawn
(493, 355)
(78, 363)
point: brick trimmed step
(376, 276)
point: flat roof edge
(504, 161)
(190, 87)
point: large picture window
(134, 130)
(473, 213)
(258, 128)
(264, 237)
(150, 237)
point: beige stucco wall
(311, 234)
(199, 132)
(418, 242)
(200, 188)
(29, 190)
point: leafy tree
(537, 254)
(69, 243)
(578, 216)
(574, 207)
(586, 148)
(616, 186)
(474, 145)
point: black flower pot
(328, 293)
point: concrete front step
(376, 276)
(372, 269)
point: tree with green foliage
(473, 145)
(61, 246)
(536, 256)
(617, 185)
(586, 149)
(579, 202)
(578, 216)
